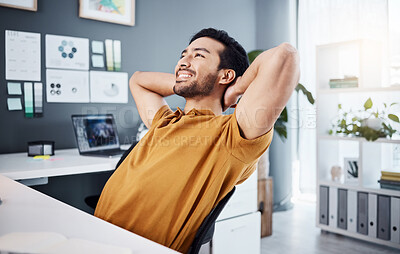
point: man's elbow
(291, 58)
(133, 81)
(287, 48)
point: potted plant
(368, 122)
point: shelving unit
(359, 209)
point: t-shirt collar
(197, 112)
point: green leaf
(253, 54)
(394, 118)
(307, 93)
(284, 115)
(339, 106)
(394, 103)
(368, 104)
(280, 128)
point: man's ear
(228, 75)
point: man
(189, 160)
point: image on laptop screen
(95, 132)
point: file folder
(352, 211)
(323, 204)
(372, 213)
(333, 211)
(383, 217)
(395, 220)
(342, 209)
(362, 211)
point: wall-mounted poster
(114, 11)
(108, 87)
(65, 52)
(29, 5)
(22, 59)
(67, 86)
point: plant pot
(373, 123)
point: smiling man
(190, 159)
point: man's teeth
(184, 75)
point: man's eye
(181, 57)
(197, 54)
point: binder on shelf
(395, 220)
(333, 211)
(383, 217)
(362, 211)
(342, 209)
(323, 204)
(352, 211)
(372, 213)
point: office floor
(294, 231)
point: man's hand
(148, 90)
(232, 95)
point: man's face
(197, 70)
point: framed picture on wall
(29, 5)
(113, 11)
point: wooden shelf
(358, 139)
(357, 235)
(356, 187)
(359, 90)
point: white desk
(26, 210)
(19, 166)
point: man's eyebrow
(202, 49)
(196, 49)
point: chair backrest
(206, 230)
(125, 154)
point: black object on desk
(40, 148)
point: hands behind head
(231, 95)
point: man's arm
(266, 87)
(148, 90)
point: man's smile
(183, 75)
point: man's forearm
(157, 82)
(252, 72)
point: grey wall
(162, 30)
(276, 23)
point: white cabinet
(238, 227)
(238, 235)
(243, 201)
(361, 59)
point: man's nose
(184, 62)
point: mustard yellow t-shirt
(177, 173)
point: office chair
(206, 230)
(91, 201)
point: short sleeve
(163, 111)
(246, 150)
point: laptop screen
(95, 132)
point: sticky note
(28, 99)
(97, 47)
(38, 96)
(117, 55)
(14, 88)
(109, 55)
(98, 61)
(14, 104)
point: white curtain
(322, 22)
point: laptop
(96, 135)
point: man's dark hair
(233, 56)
